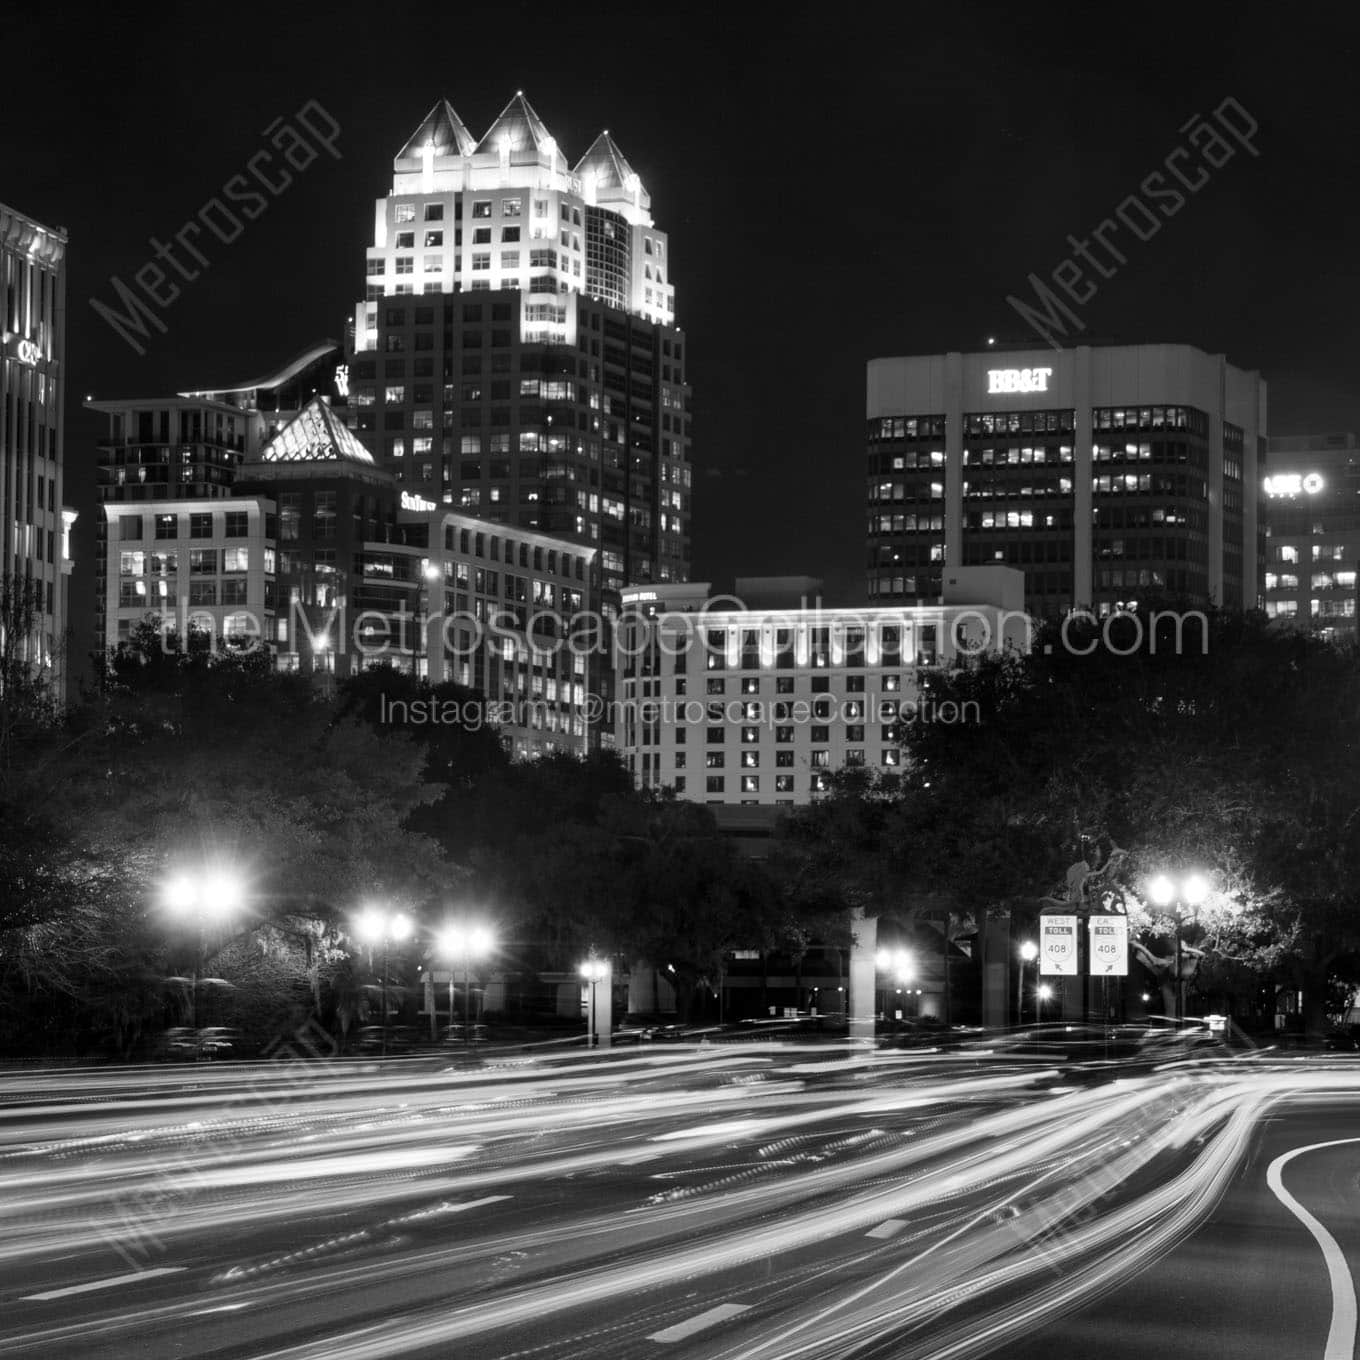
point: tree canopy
(1232, 753)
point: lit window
(405, 212)
(482, 208)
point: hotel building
(35, 558)
(1312, 498)
(757, 706)
(1107, 475)
(516, 355)
(310, 551)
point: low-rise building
(732, 703)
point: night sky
(838, 182)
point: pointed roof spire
(607, 164)
(315, 435)
(520, 126)
(445, 129)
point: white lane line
(697, 1324)
(1341, 1334)
(105, 1284)
(890, 1228)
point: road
(713, 1203)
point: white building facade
(509, 212)
(737, 705)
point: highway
(744, 1202)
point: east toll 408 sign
(1109, 946)
(1058, 946)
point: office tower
(35, 559)
(1109, 475)
(1313, 530)
(516, 355)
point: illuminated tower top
(509, 211)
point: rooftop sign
(419, 503)
(1294, 484)
(1018, 380)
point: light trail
(922, 1186)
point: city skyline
(834, 254)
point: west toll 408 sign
(1058, 946)
(1108, 955)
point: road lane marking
(681, 1330)
(889, 1228)
(1341, 1334)
(110, 1283)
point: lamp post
(594, 971)
(1029, 951)
(376, 926)
(207, 897)
(900, 963)
(1041, 994)
(1188, 892)
(466, 942)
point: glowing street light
(1029, 951)
(375, 926)
(466, 942)
(210, 897)
(1168, 893)
(593, 971)
(900, 964)
(1042, 993)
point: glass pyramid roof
(445, 129)
(315, 435)
(519, 125)
(606, 162)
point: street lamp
(1041, 994)
(457, 941)
(1190, 892)
(1029, 951)
(594, 971)
(900, 963)
(376, 926)
(206, 898)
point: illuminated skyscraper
(35, 560)
(1109, 475)
(516, 354)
